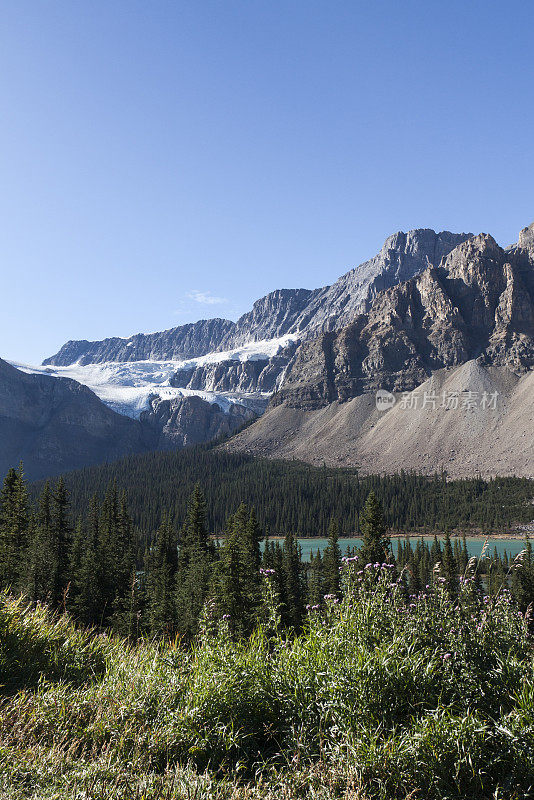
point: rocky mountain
(262, 375)
(402, 256)
(467, 420)
(185, 341)
(56, 424)
(478, 303)
(423, 308)
(300, 312)
(184, 421)
(457, 337)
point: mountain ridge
(280, 312)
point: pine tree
(89, 571)
(449, 568)
(60, 542)
(230, 590)
(250, 566)
(195, 558)
(50, 550)
(316, 587)
(14, 527)
(376, 544)
(41, 558)
(292, 595)
(161, 571)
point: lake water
(474, 545)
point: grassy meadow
(381, 696)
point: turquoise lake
(474, 545)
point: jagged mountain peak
(526, 236)
(300, 312)
(476, 304)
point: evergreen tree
(161, 570)
(316, 587)
(195, 558)
(230, 594)
(60, 542)
(41, 558)
(14, 526)
(292, 595)
(89, 570)
(376, 544)
(50, 550)
(449, 569)
(523, 579)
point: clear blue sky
(162, 162)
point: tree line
(98, 566)
(292, 495)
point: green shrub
(381, 696)
(36, 645)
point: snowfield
(127, 386)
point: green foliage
(36, 645)
(295, 496)
(160, 581)
(376, 544)
(430, 698)
(332, 562)
(193, 571)
(14, 524)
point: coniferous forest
(166, 662)
(291, 495)
(91, 558)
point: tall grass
(380, 697)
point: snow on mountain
(127, 386)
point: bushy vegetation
(380, 696)
(105, 573)
(221, 670)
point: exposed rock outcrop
(477, 304)
(186, 341)
(302, 312)
(252, 376)
(56, 424)
(186, 421)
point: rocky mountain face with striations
(185, 341)
(186, 421)
(56, 424)
(477, 304)
(301, 312)
(402, 256)
(253, 376)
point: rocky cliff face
(56, 424)
(478, 304)
(258, 376)
(186, 421)
(186, 341)
(402, 256)
(302, 312)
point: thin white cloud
(206, 298)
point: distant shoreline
(489, 536)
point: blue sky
(162, 162)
